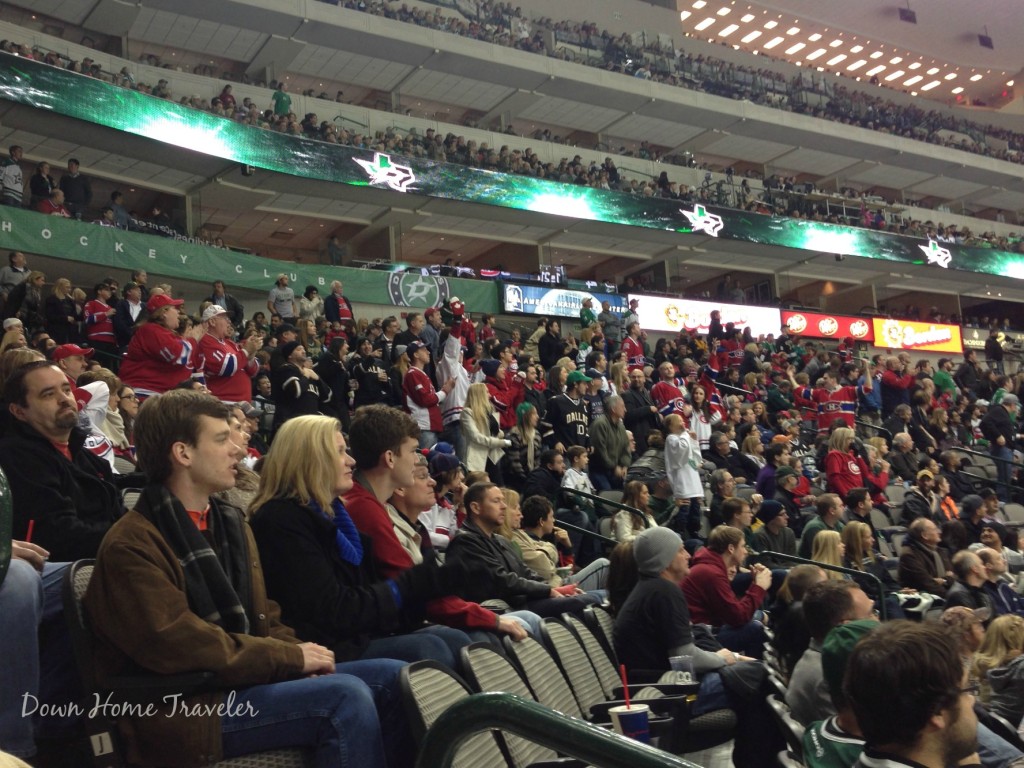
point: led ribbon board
(68, 93)
(558, 302)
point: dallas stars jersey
(569, 421)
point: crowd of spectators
(455, 437)
(493, 24)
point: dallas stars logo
(702, 221)
(383, 171)
(937, 254)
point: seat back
(488, 670)
(791, 729)
(542, 674)
(605, 526)
(572, 658)
(428, 689)
(879, 519)
(607, 674)
(124, 466)
(895, 493)
(1014, 512)
(602, 624)
(76, 582)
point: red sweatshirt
(710, 597)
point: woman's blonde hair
(840, 439)
(750, 442)
(853, 540)
(301, 463)
(478, 400)
(62, 287)
(826, 550)
(1003, 642)
(619, 376)
(878, 442)
(511, 500)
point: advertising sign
(815, 325)
(919, 337)
(658, 313)
(556, 302)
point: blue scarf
(350, 546)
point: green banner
(115, 249)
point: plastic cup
(683, 665)
(632, 721)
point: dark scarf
(216, 583)
(350, 546)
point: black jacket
(639, 419)
(234, 309)
(323, 598)
(504, 575)
(336, 376)
(296, 395)
(73, 503)
(997, 423)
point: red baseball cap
(162, 300)
(70, 350)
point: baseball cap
(430, 312)
(837, 648)
(593, 373)
(962, 618)
(250, 410)
(162, 300)
(10, 322)
(782, 439)
(783, 472)
(414, 346)
(577, 376)
(212, 311)
(925, 473)
(442, 463)
(70, 350)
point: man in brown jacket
(178, 589)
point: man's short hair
(475, 495)
(16, 389)
(535, 508)
(963, 563)
(170, 418)
(732, 507)
(718, 479)
(855, 497)
(547, 457)
(410, 317)
(825, 502)
(378, 428)
(574, 452)
(916, 529)
(899, 676)
(723, 537)
(828, 604)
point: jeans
(427, 438)
(352, 719)
(993, 750)
(33, 615)
(1003, 469)
(437, 643)
(748, 639)
(594, 576)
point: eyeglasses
(973, 689)
(128, 397)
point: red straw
(28, 534)
(625, 685)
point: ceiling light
(815, 37)
(773, 42)
(835, 43)
(857, 65)
(895, 59)
(915, 65)
(793, 31)
(857, 49)
(1009, 83)
(950, 76)
(876, 55)
(933, 71)
(913, 80)
(698, 4)
(817, 54)
(795, 48)
(836, 59)
(931, 85)
(751, 36)
(771, 24)
(747, 19)
(729, 30)
(958, 90)
(975, 78)
(894, 75)
(724, 11)
(875, 71)
(684, 15)
(705, 24)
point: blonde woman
(829, 550)
(844, 467)
(510, 528)
(309, 338)
(630, 522)
(61, 314)
(485, 442)
(524, 455)
(998, 661)
(618, 378)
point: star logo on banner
(937, 254)
(382, 171)
(702, 221)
